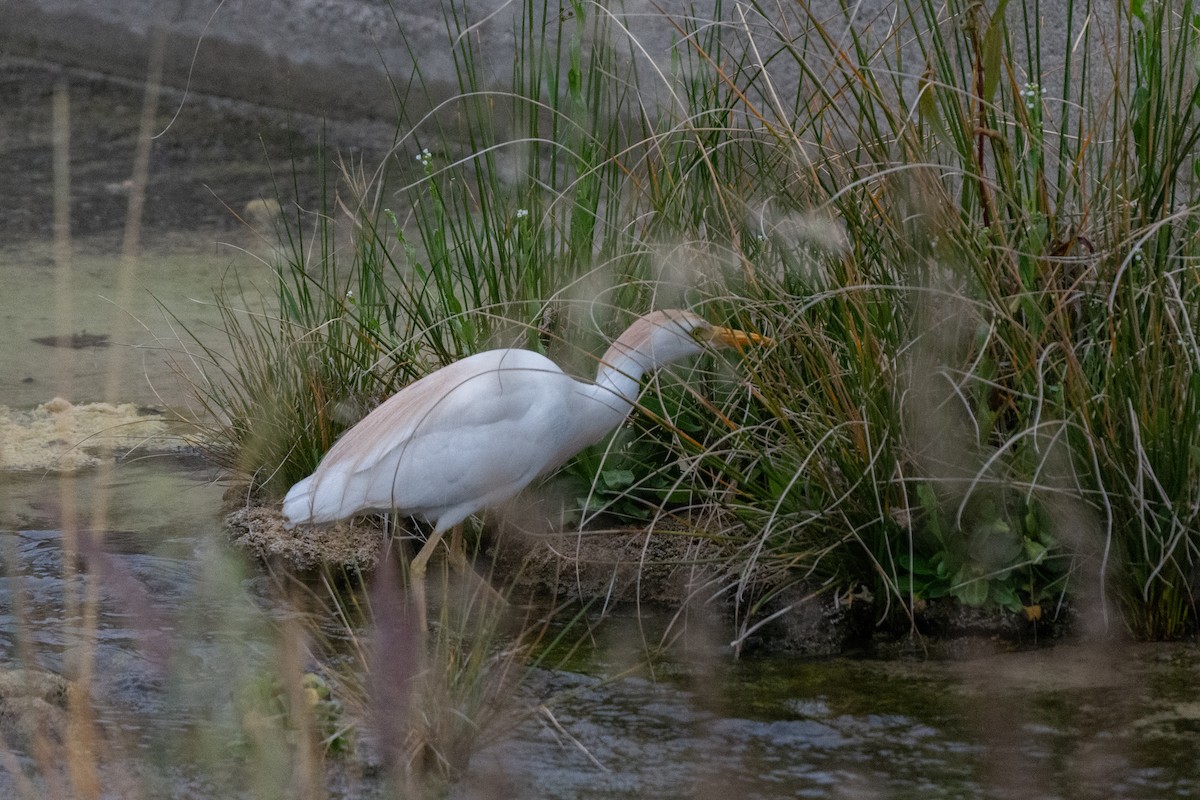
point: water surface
(183, 621)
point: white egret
(476, 432)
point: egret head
(661, 337)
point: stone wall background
(329, 58)
(324, 57)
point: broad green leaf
(617, 478)
(1035, 551)
(973, 592)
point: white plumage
(475, 433)
(466, 437)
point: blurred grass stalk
(250, 717)
(80, 771)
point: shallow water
(1111, 720)
(210, 167)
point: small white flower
(1031, 93)
(424, 158)
(522, 213)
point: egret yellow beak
(732, 337)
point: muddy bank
(669, 569)
(622, 564)
(324, 58)
(209, 160)
(357, 59)
(32, 707)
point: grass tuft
(972, 235)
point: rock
(32, 703)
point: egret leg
(416, 570)
(457, 554)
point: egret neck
(617, 386)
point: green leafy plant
(996, 556)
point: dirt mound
(259, 530)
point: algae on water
(61, 436)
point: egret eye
(701, 333)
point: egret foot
(456, 555)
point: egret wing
(471, 434)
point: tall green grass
(972, 234)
